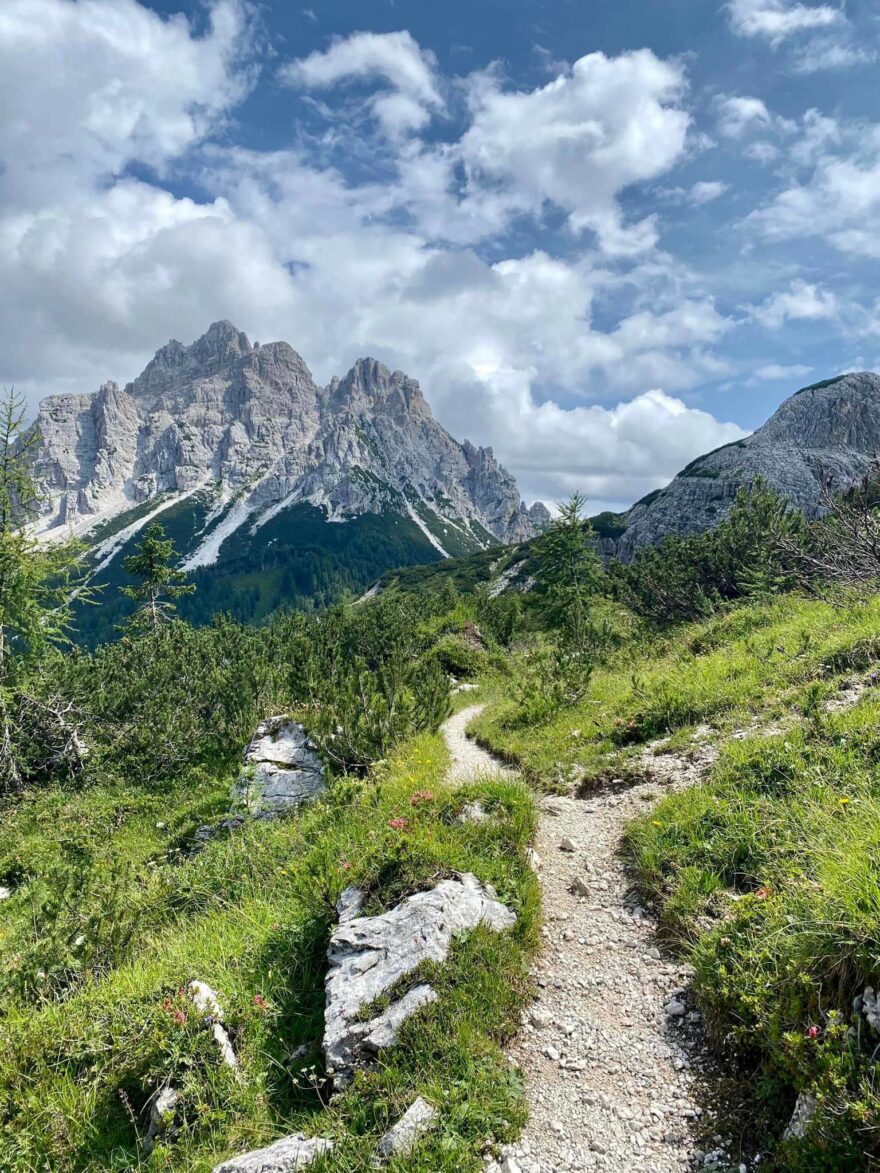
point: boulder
(804, 1111)
(400, 1140)
(282, 770)
(370, 954)
(284, 1156)
(162, 1112)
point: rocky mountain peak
(370, 385)
(174, 363)
(248, 430)
(833, 425)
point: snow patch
(423, 527)
(111, 546)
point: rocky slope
(834, 424)
(236, 447)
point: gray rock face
(801, 1117)
(400, 1140)
(285, 1156)
(835, 424)
(247, 425)
(282, 769)
(370, 954)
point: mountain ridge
(832, 425)
(238, 450)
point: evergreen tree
(569, 572)
(38, 584)
(161, 582)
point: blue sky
(605, 237)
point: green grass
(82, 1050)
(766, 876)
(755, 660)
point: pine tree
(569, 572)
(161, 582)
(38, 584)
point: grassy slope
(251, 915)
(766, 876)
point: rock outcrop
(284, 1156)
(282, 770)
(369, 955)
(399, 1141)
(835, 425)
(247, 426)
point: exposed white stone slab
(284, 1156)
(400, 1140)
(369, 955)
(282, 769)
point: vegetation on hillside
(766, 876)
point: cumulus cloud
(775, 372)
(88, 88)
(409, 71)
(738, 114)
(579, 141)
(707, 190)
(801, 302)
(774, 20)
(101, 267)
(839, 200)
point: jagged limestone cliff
(251, 466)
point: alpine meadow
(447, 741)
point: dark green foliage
(37, 586)
(369, 680)
(609, 525)
(295, 561)
(689, 577)
(160, 582)
(568, 574)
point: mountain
(834, 424)
(276, 491)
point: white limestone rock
(282, 769)
(370, 954)
(162, 1113)
(419, 1118)
(208, 1005)
(284, 1156)
(801, 1117)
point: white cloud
(839, 201)
(100, 268)
(394, 58)
(87, 88)
(774, 20)
(582, 139)
(774, 372)
(823, 53)
(801, 302)
(707, 190)
(738, 114)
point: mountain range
(275, 490)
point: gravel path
(469, 760)
(611, 1050)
